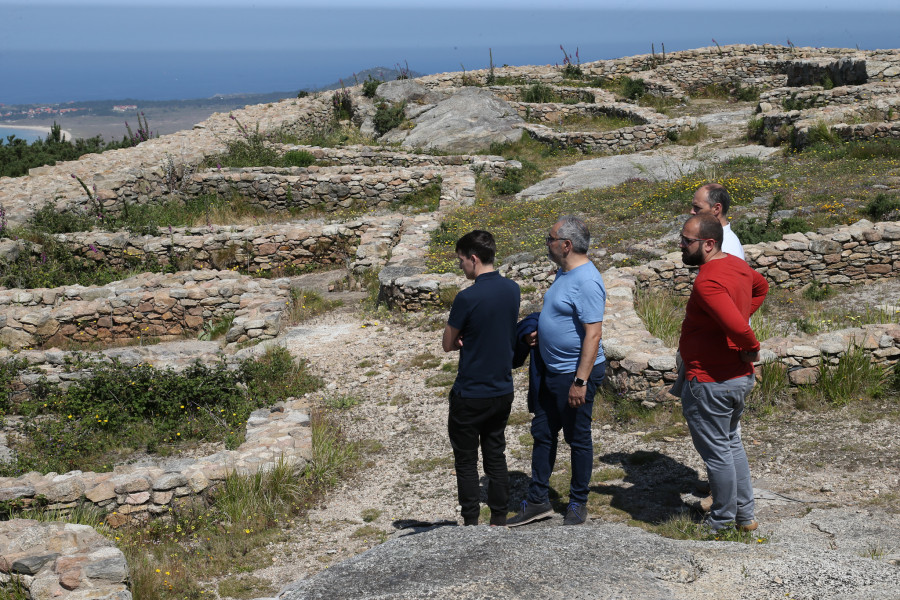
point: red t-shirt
(715, 329)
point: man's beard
(692, 259)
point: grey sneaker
(529, 513)
(576, 514)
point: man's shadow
(657, 483)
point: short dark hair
(479, 243)
(717, 194)
(709, 228)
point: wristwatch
(579, 382)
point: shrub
(881, 206)
(342, 104)
(571, 70)
(298, 158)
(388, 116)
(370, 86)
(817, 291)
(124, 407)
(633, 89)
(539, 93)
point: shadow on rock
(657, 482)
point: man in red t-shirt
(718, 348)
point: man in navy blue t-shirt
(482, 326)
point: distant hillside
(382, 73)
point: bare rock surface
(614, 561)
(468, 121)
(661, 164)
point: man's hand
(749, 357)
(577, 395)
(452, 339)
(531, 338)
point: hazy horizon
(55, 54)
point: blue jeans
(713, 414)
(552, 413)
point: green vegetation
(683, 527)
(18, 156)
(95, 422)
(750, 231)
(853, 377)
(176, 557)
(306, 304)
(425, 199)
(539, 93)
(662, 313)
(388, 116)
(881, 206)
(370, 86)
(342, 104)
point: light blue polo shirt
(576, 297)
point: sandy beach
(67, 135)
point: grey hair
(574, 229)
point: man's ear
(717, 209)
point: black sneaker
(529, 513)
(576, 514)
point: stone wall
(626, 139)
(252, 248)
(815, 96)
(324, 188)
(837, 256)
(494, 167)
(135, 493)
(63, 561)
(148, 305)
(551, 113)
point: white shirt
(731, 244)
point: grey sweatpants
(713, 412)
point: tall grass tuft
(662, 313)
(263, 497)
(772, 388)
(854, 376)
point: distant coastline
(40, 132)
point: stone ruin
(853, 93)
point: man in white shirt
(713, 199)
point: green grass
(854, 377)
(178, 556)
(599, 122)
(306, 304)
(683, 527)
(97, 422)
(829, 191)
(662, 312)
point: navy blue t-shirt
(485, 314)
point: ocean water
(153, 53)
(29, 135)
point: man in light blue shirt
(568, 337)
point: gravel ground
(800, 461)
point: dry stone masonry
(61, 561)
(69, 562)
(145, 306)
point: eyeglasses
(686, 241)
(551, 239)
